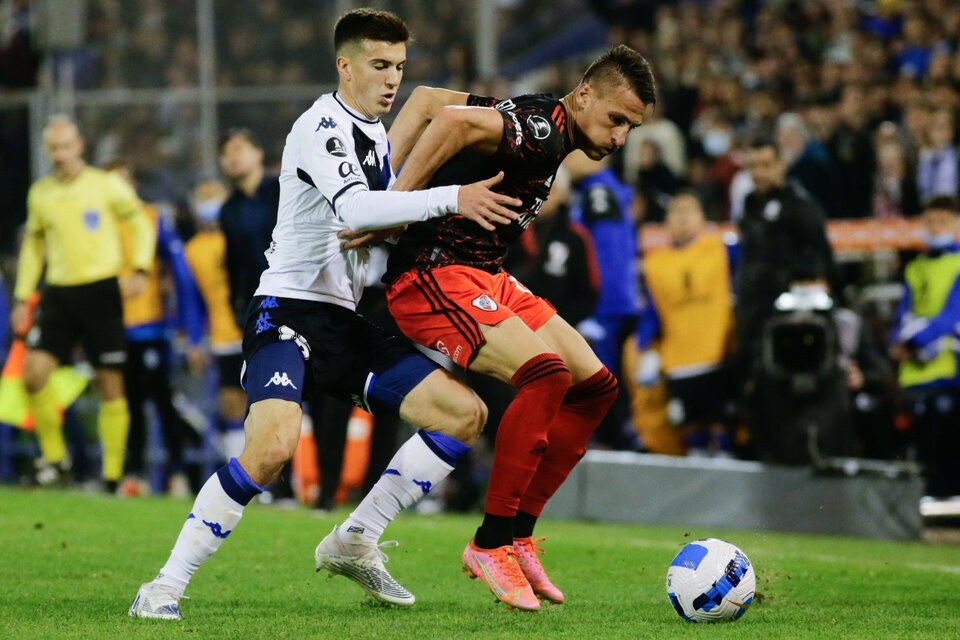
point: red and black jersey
(535, 141)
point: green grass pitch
(70, 563)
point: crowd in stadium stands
(857, 100)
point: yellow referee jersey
(72, 226)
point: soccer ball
(711, 581)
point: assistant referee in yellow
(72, 230)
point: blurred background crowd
(775, 121)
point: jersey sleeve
(34, 226)
(533, 135)
(170, 248)
(481, 101)
(124, 202)
(330, 168)
(328, 165)
(31, 258)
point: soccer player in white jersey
(302, 327)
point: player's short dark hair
(240, 132)
(624, 65)
(369, 24)
(941, 202)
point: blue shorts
(288, 344)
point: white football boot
(362, 563)
(156, 601)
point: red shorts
(442, 308)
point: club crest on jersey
(484, 303)
(91, 219)
(335, 147)
(772, 211)
(539, 127)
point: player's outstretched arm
(421, 107)
(368, 212)
(454, 128)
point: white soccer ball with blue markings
(711, 581)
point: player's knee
(273, 433)
(34, 381)
(467, 418)
(36, 371)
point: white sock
(413, 471)
(214, 516)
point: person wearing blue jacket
(602, 203)
(924, 341)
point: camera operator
(783, 243)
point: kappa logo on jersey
(347, 169)
(370, 160)
(335, 147)
(280, 380)
(325, 123)
(539, 126)
(484, 303)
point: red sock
(522, 437)
(583, 408)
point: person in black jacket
(783, 241)
(248, 216)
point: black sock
(496, 531)
(524, 524)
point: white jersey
(333, 176)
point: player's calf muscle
(440, 403)
(272, 434)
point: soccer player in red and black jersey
(448, 291)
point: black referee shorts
(90, 315)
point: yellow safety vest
(930, 280)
